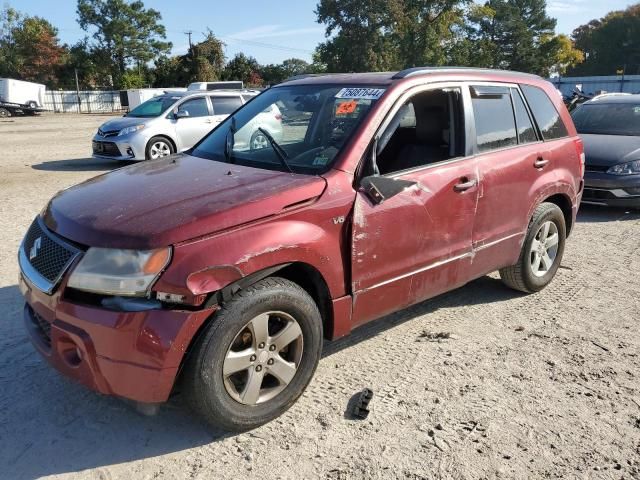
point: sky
(269, 30)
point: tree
(357, 36)
(273, 74)
(131, 33)
(515, 35)
(243, 68)
(610, 44)
(29, 48)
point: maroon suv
(224, 268)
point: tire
(524, 275)
(32, 104)
(159, 147)
(4, 113)
(225, 399)
(258, 141)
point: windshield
(608, 119)
(154, 107)
(308, 123)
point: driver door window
(427, 129)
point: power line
(267, 45)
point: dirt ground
(541, 386)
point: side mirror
(378, 189)
(180, 114)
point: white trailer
(19, 96)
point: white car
(176, 121)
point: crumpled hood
(609, 150)
(161, 202)
(118, 124)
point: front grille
(591, 194)
(42, 327)
(108, 133)
(47, 255)
(106, 148)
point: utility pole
(189, 32)
(78, 92)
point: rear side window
(495, 123)
(526, 131)
(545, 113)
(225, 105)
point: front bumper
(128, 147)
(602, 188)
(135, 355)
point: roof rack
(410, 72)
(305, 75)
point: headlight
(128, 130)
(119, 272)
(631, 168)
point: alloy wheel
(159, 149)
(544, 249)
(263, 358)
(259, 141)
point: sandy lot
(542, 386)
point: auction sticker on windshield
(361, 93)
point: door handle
(540, 162)
(465, 185)
(208, 121)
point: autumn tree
(242, 67)
(131, 33)
(29, 48)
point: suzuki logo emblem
(33, 253)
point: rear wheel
(541, 252)
(258, 141)
(4, 113)
(256, 356)
(32, 104)
(159, 147)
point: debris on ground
(436, 336)
(361, 406)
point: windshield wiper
(281, 154)
(230, 140)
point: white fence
(88, 101)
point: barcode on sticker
(362, 93)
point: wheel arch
(161, 135)
(564, 203)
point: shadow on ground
(597, 214)
(80, 165)
(57, 426)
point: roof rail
(410, 72)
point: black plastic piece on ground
(361, 407)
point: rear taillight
(278, 116)
(580, 151)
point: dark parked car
(610, 129)
(219, 272)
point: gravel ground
(482, 382)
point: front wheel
(256, 357)
(159, 147)
(541, 252)
(4, 113)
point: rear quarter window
(545, 113)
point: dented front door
(416, 244)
